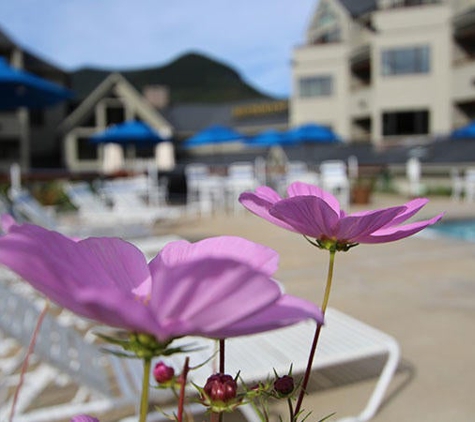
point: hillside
(191, 78)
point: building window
(86, 150)
(9, 149)
(316, 86)
(115, 115)
(401, 61)
(406, 123)
(37, 117)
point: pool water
(456, 229)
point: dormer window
(326, 26)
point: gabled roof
(357, 8)
(116, 84)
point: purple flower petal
(258, 256)
(308, 215)
(7, 222)
(391, 234)
(204, 302)
(412, 207)
(311, 211)
(305, 189)
(260, 202)
(200, 289)
(352, 228)
(285, 311)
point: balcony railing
(360, 102)
(463, 82)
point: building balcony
(360, 103)
(359, 43)
(463, 82)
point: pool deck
(421, 290)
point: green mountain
(190, 78)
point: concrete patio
(421, 290)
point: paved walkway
(419, 290)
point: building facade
(29, 136)
(387, 71)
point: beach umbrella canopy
(465, 132)
(129, 132)
(270, 138)
(216, 134)
(313, 133)
(22, 89)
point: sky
(255, 37)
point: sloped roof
(359, 7)
(115, 83)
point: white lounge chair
(344, 340)
(27, 208)
(104, 382)
(128, 204)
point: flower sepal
(331, 245)
(141, 345)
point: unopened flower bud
(163, 373)
(221, 387)
(284, 385)
(83, 418)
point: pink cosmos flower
(83, 418)
(219, 287)
(311, 211)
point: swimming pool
(455, 229)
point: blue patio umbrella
(464, 132)
(129, 132)
(22, 89)
(270, 138)
(313, 133)
(216, 134)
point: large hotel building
(387, 71)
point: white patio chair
(334, 179)
(241, 177)
(469, 184)
(457, 184)
(413, 173)
(205, 191)
(297, 171)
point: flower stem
(328, 286)
(147, 363)
(29, 352)
(221, 355)
(181, 401)
(313, 348)
(291, 409)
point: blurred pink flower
(219, 287)
(311, 211)
(83, 418)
